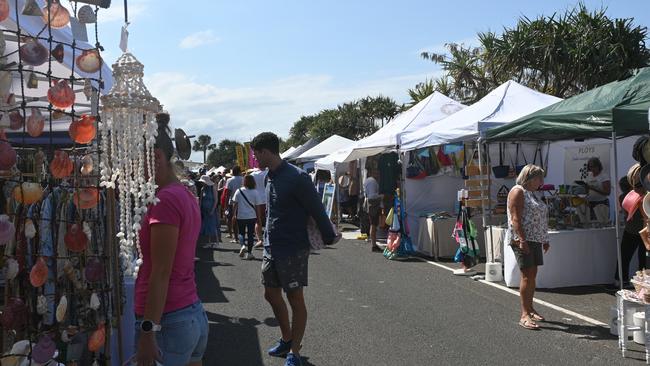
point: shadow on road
(209, 288)
(588, 332)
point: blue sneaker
(293, 360)
(280, 349)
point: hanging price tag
(124, 38)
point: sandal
(536, 317)
(528, 323)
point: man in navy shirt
(291, 200)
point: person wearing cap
(209, 217)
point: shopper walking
(373, 207)
(260, 178)
(631, 241)
(527, 235)
(291, 200)
(171, 325)
(248, 210)
(209, 214)
(232, 184)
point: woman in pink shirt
(171, 325)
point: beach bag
(315, 237)
(501, 171)
(519, 168)
(390, 217)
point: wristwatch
(149, 326)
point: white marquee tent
(329, 145)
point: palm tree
(202, 143)
(421, 91)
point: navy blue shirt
(291, 199)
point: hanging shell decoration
(75, 239)
(62, 309)
(60, 15)
(7, 230)
(35, 123)
(28, 193)
(4, 10)
(61, 94)
(38, 274)
(44, 350)
(8, 155)
(32, 81)
(83, 130)
(89, 61)
(87, 165)
(94, 271)
(97, 339)
(61, 166)
(41, 305)
(94, 301)
(12, 268)
(86, 15)
(30, 229)
(16, 120)
(19, 352)
(58, 53)
(14, 314)
(31, 8)
(86, 198)
(33, 53)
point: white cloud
(116, 11)
(199, 39)
(241, 113)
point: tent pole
(489, 203)
(617, 214)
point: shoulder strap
(246, 199)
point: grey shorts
(535, 256)
(288, 273)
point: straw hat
(206, 180)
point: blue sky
(234, 69)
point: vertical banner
(240, 157)
(575, 161)
(252, 162)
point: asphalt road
(365, 310)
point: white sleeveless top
(535, 220)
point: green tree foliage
(562, 55)
(353, 120)
(202, 143)
(225, 154)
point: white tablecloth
(577, 258)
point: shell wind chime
(128, 132)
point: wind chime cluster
(128, 135)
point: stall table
(577, 257)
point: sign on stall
(576, 157)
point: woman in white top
(527, 235)
(247, 209)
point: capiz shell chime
(128, 132)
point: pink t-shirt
(177, 207)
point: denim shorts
(184, 335)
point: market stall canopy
(503, 105)
(431, 109)
(620, 106)
(301, 149)
(288, 152)
(328, 146)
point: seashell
(33, 53)
(7, 230)
(83, 130)
(32, 81)
(60, 15)
(57, 114)
(61, 166)
(19, 351)
(94, 301)
(31, 8)
(97, 339)
(35, 123)
(58, 53)
(30, 229)
(65, 337)
(4, 10)
(41, 305)
(87, 165)
(16, 120)
(12, 268)
(86, 198)
(86, 15)
(44, 350)
(89, 61)
(14, 315)
(94, 271)
(62, 309)
(75, 239)
(28, 193)
(38, 274)
(7, 153)
(61, 95)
